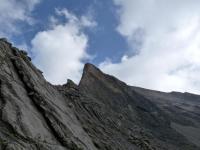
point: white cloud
(59, 51)
(14, 11)
(168, 32)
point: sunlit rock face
(101, 113)
(34, 114)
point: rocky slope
(101, 113)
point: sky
(153, 44)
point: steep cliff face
(101, 113)
(34, 115)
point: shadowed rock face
(101, 113)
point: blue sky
(104, 39)
(148, 43)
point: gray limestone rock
(101, 113)
(34, 114)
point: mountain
(101, 113)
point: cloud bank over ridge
(166, 36)
(60, 50)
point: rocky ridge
(101, 113)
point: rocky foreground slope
(101, 113)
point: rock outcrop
(101, 113)
(34, 115)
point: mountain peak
(100, 113)
(90, 71)
(90, 68)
